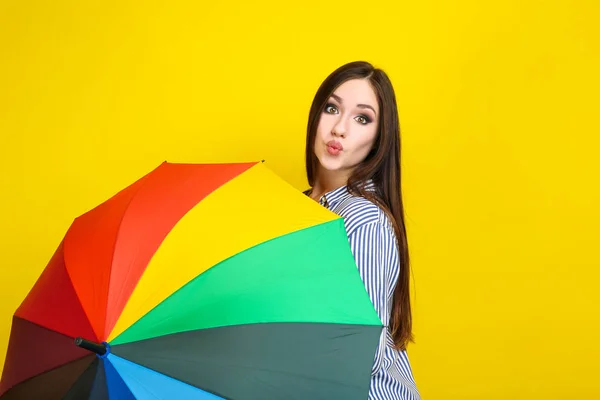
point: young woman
(353, 169)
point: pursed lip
(334, 144)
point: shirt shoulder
(359, 212)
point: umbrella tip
(98, 348)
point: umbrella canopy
(198, 281)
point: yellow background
(499, 110)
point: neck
(326, 181)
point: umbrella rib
(114, 249)
(212, 362)
(26, 381)
(133, 378)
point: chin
(330, 163)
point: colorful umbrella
(198, 281)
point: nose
(339, 129)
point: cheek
(367, 140)
(318, 137)
(322, 127)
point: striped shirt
(373, 243)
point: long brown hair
(382, 165)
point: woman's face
(348, 127)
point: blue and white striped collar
(334, 197)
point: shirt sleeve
(376, 255)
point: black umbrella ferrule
(98, 348)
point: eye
(331, 109)
(363, 119)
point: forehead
(357, 91)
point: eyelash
(366, 118)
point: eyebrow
(339, 99)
